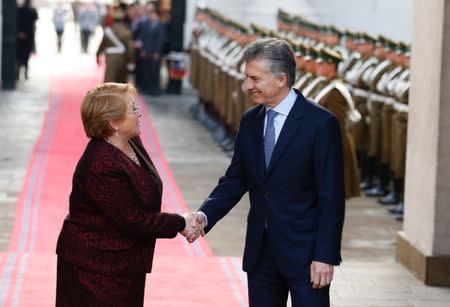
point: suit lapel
(289, 130)
(147, 162)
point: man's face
(366, 49)
(310, 66)
(263, 86)
(326, 69)
(150, 11)
(379, 52)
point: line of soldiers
(362, 80)
(217, 70)
(376, 72)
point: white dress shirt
(282, 109)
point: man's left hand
(321, 274)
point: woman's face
(129, 127)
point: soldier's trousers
(399, 133)
(374, 149)
(360, 131)
(387, 111)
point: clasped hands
(195, 226)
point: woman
(107, 241)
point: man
(87, 19)
(60, 16)
(26, 24)
(152, 38)
(288, 155)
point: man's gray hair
(277, 53)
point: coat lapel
(148, 162)
(289, 130)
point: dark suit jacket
(300, 195)
(114, 215)
(152, 37)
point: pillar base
(431, 270)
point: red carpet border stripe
(6, 276)
(228, 271)
(176, 199)
(241, 275)
(27, 209)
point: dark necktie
(269, 137)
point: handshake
(195, 226)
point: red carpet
(184, 274)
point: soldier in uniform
(117, 45)
(399, 123)
(336, 97)
(380, 119)
(309, 67)
(364, 62)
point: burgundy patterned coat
(114, 215)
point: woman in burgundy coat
(107, 241)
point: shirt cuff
(205, 217)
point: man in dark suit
(288, 155)
(152, 37)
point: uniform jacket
(114, 215)
(300, 197)
(117, 44)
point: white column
(424, 244)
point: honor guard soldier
(117, 45)
(310, 69)
(336, 97)
(381, 110)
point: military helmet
(329, 55)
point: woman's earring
(117, 132)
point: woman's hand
(194, 226)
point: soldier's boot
(362, 165)
(380, 189)
(399, 208)
(370, 167)
(393, 197)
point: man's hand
(201, 223)
(195, 225)
(321, 274)
(137, 44)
